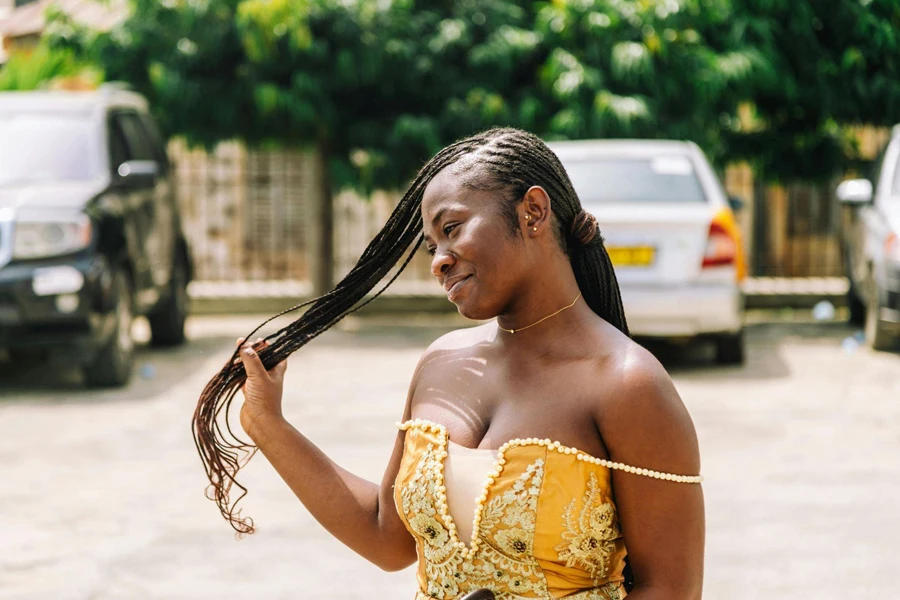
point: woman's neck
(549, 307)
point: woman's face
(476, 258)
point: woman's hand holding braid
(359, 513)
(262, 390)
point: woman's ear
(536, 209)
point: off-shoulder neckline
(558, 447)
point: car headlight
(51, 237)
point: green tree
(646, 69)
(28, 70)
(837, 63)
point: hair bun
(584, 229)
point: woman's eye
(430, 251)
(449, 228)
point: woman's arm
(359, 513)
(645, 424)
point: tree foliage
(379, 86)
(837, 63)
(42, 67)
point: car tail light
(892, 247)
(723, 245)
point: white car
(872, 248)
(671, 234)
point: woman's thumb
(252, 364)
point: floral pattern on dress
(504, 564)
(589, 537)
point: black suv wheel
(167, 321)
(112, 366)
(856, 306)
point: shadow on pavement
(157, 369)
(764, 356)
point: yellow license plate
(631, 256)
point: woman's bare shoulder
(642, 416)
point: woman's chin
(474, 311)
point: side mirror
(736, 204)
(855, 192)
(138, 173)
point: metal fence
(796, 232)
(251, 217)
(248, 214)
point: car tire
(730, 349)
(876, 335)
(167, 321)
(113, 364)
(856, 306)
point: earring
(535, 228)
(527, 217)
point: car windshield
(665, 179)
(43, 147)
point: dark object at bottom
(628, 574)
(483, 594)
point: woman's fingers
(252, 361)
(278, 370)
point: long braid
(501, 158)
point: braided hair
(502, 159)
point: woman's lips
(454, 290)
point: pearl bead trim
(551, 445)
(441, 492)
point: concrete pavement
(102, 493)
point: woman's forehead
(444, 190)
(448, 188)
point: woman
(553, 402)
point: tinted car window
(118, 150)
(41, 147)
(667, 179)
(156, 138)
(139, 145)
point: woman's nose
(441, 262)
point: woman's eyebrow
(440, 213)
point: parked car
(90, 232)
(671, 234)
(872, 248)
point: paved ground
(102, 493)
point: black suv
(90, 231)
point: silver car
(872, 248)
(671, 234)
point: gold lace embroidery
(502, 555)
(589, 537)
(507, 527)
(504, 563)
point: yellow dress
(545, 525)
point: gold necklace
(542, 320)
